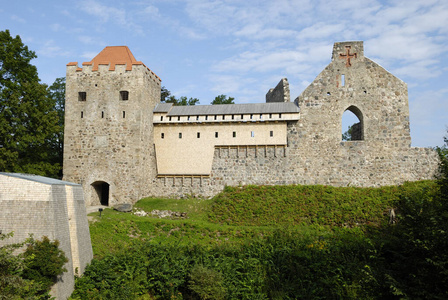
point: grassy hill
(268, 242)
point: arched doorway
(102, 192)
(352, 124)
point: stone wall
(280, 93)
(352, 163)
(47, 207)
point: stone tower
(108, 142)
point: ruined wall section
(280, 93)
(107, 138)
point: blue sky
(241, 49)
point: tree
(28, 119)
(164, 94)
(56, 92)
(166, 97)
(222, 99)
(347, 136)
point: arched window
(352, 124)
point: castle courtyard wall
(47, 207)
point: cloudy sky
(203, 48)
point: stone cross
(347, 56)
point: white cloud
(17, 19)
(51, 49)
(110, 14)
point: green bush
(44, 261)
(206, 283)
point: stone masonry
(122, 153)
(31, 204)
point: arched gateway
(101, 194)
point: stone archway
(101, 194)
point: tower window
(124, 114)
(82, 114)
(161, 118)
(198, 135)
(234, 134)
(216, 134)
(162, 135)
(252, 134)
(180, 135)
(197, 118)
(271, 133)
(206, 118)
(124, 95)
(82, 96)
(279, 116)
(102, 114)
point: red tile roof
(113, 55)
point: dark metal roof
(228, 109)
(37, 178)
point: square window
(124, 95)
(82, 96)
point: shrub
(44, 261)
(206, 283)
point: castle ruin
(122, 144)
